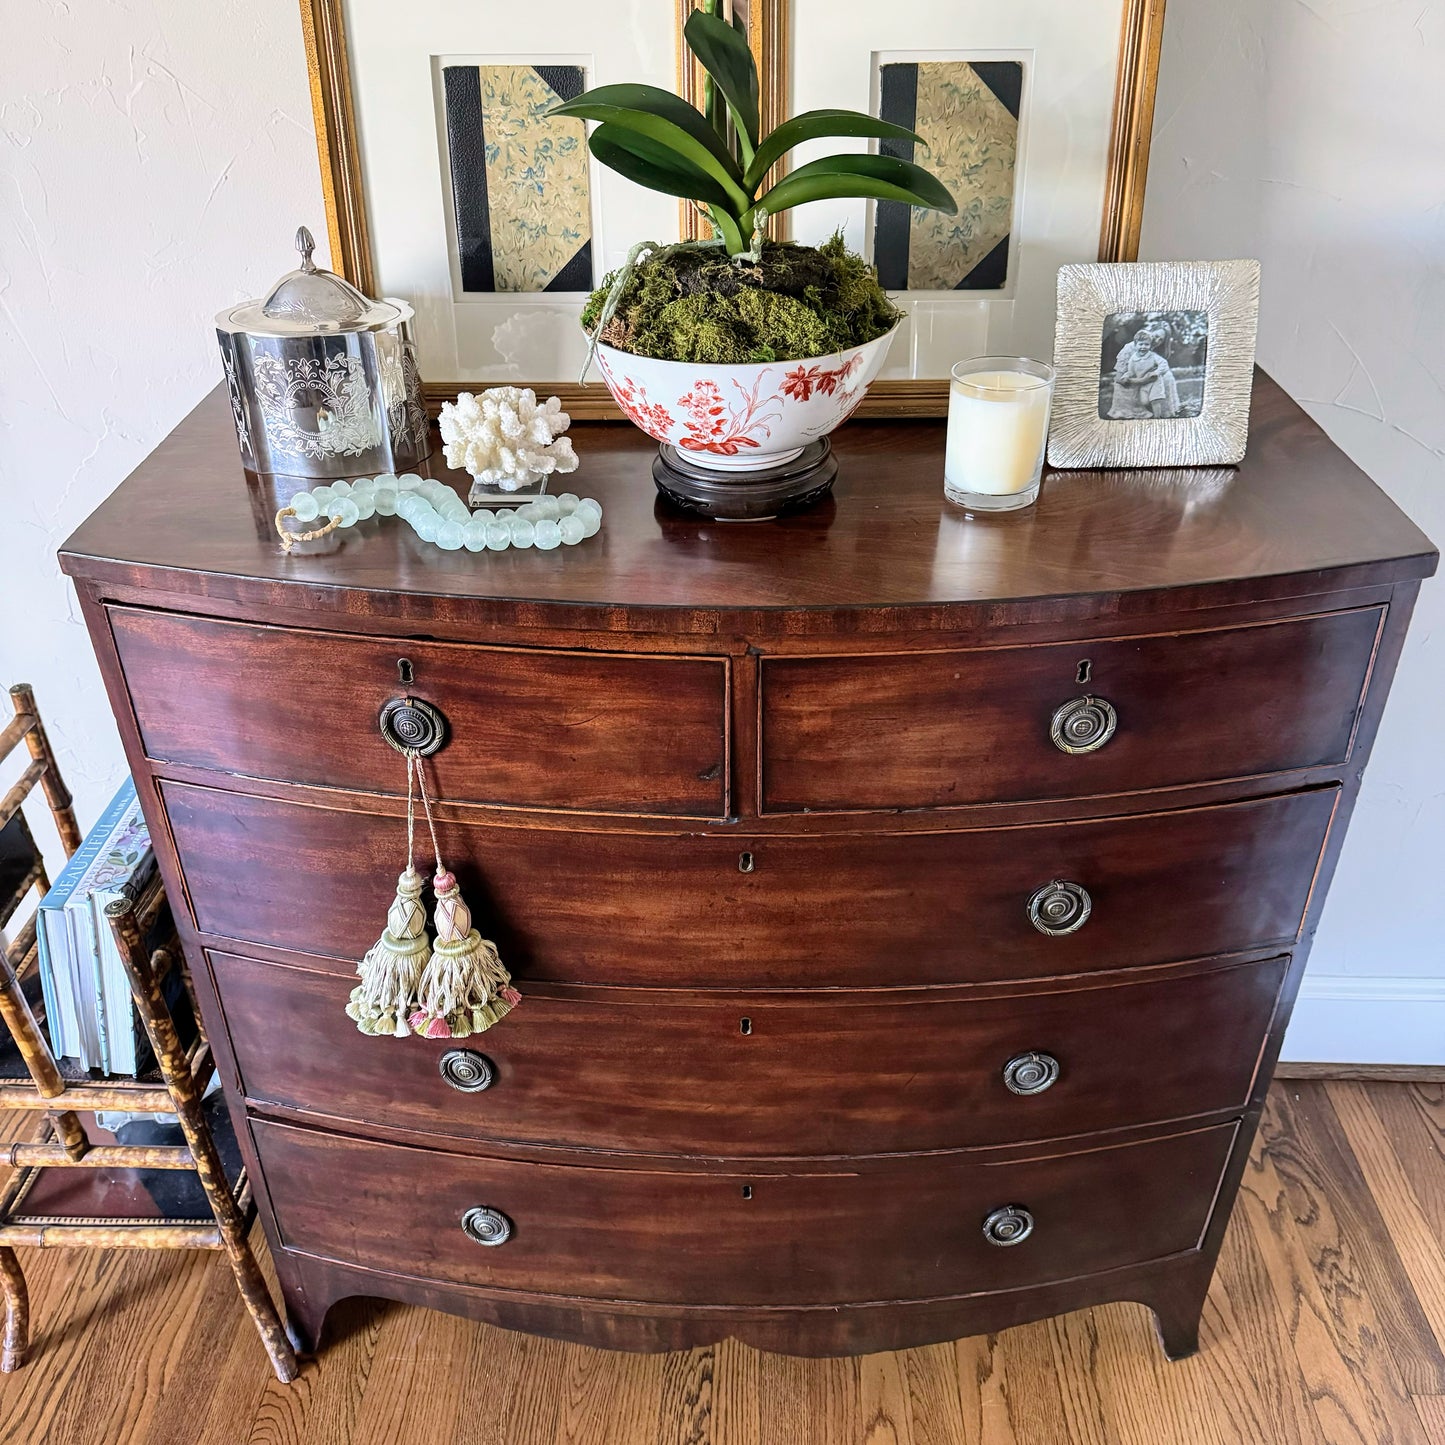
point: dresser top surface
(1297, 512)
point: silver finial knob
(306, 244)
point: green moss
(693, 303)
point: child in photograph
(1144, 384)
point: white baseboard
(1360, 1019)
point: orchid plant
(719, 159)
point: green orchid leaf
(725, 56)
(813, 125)
(666, 119)
(654, 165)
(880, 178)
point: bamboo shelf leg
(176, 1070)
(15, 1342)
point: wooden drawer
(593, 906)
(939, 729)
(881, 1071)
(895, 1230)
(527, 727)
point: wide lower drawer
(527, 727)
(940, 729)
(584, 905)
(897, 1230)
(788, 1073)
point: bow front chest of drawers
(908, 908)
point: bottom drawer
(896, 1230)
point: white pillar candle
(998, 425)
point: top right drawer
(1063, 720)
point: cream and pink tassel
(389, 973)
(464, 989)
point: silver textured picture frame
(1187, 429)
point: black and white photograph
(1154, 363)
(1151, 365)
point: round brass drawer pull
(1031, 1073)
(1083, 725)
(486, 1226)
(1060, 907)
(467, 1070)
(413, 726)
(1009, 1225)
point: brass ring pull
(1060, 908)
(1010, 1225)
(467, 1071)
(1083, 725)
(1030, 1073)
(486, 1226)
(413, 726)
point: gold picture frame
(328, 69)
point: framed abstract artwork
(447, 182)
(1034, 113)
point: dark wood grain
(530, 728)
(930, 729)
(865, 909)
(693, 1238)
(1296, 517)
(877, 1071)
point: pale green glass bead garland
(439, 516)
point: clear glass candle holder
(998, 427)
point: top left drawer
(526, 727)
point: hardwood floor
(1326, 1324)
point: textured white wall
(1311, 134)
(157, 155)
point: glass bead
(363, 487)
(567, 503)
(406, 482)
(591, 523)
(572, 529)
(322, 495)
(548, 534)
(523, 532)
(450, 537)
(305, 506)
(364, 503)
(545, 509)
(455, 510)
(341, 489)
(427, 526)
(474, 535)
(343, 509)
(484, 515)
(385, 499)
(590, 504)
(499, 536)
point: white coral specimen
(505, 439)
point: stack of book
(88, 1006)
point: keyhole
(747, 1191)
(1085, 667)
(745, 1026)
(745, 862)
(404, 670)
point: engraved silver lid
(310, 301)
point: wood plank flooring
(1325, 1326)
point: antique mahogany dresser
(908, 908)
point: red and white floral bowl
(741, 418)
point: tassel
(381, 1002)
(465, 988)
